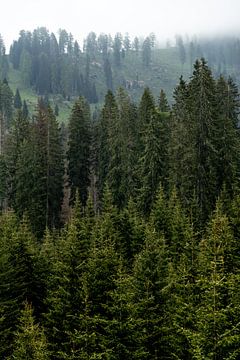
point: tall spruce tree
(79, 150)
(41, 161)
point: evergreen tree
(148, 300)
(18, 133)
(108, 120)
(146, 52)
(153, 160)
(20, 280)
(25, 110)
(108, 74)
(65, 297)
(30, 342)
(203, 114)
(17, 100)
(228, 134)
(163, 103)
(41, 161)
(117, 46)
(79, 150)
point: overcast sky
(137, 17)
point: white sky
(137, 17)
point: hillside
(41, 65)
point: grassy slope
(163, 73)
(28, 94)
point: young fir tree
(79, 150)
(30, 342)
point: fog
(164, 18)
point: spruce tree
(79, 150)
(163, 102)
(25, 110)
(17, 100)
(41, 161)
(228, 141)
(30, 342)
(203, 114)
(153, 162)
(148, 302)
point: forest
(119, 228)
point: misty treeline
(119, 236)
(58, 64)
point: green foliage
(30, 342)
(142, 268)
(163, 102)
(79, 150)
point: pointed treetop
(163, 102)
(17, 100)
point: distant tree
(181, 49)
(91, 45)
(17, 100)
(56, 110)
(146, 52)
(26, 68)
(103, 45)
(117, 46)
(136, 45)
(108, 74)
(126, 42)
(25, 109)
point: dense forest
(120, 229)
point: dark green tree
(163, 103)
(30, 342)
(17, 100)
(79, 150)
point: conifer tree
(65, 295)
(25, 110)
(228, 147)
(79, 150)
(163, 102)
(18, 133)
(148, 300)
(153, 161)
(213, 331)
(17, 100)
(108, 119)
(20, 279)
(41, 159)
(203, 115)
(30, 342)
